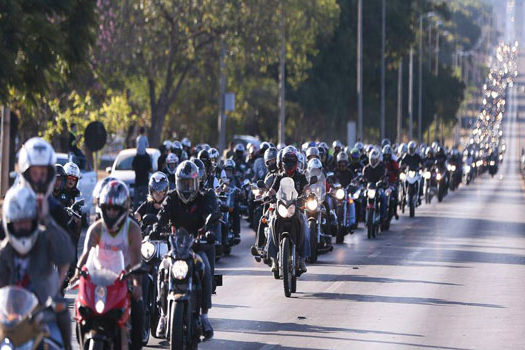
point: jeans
(207, 255)
(383, 205)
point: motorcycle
(316, 216)
(103, 303)
(442, 186)
(356, 191)
(23, 320)
(227, 239)
(373, 215)
(430, 184)
(391, 205)
(153, 251)
(186, 271)
(411, 182)
(493, 167)
(455, 176)
(345, 211)
(467, 174)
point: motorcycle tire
(440, 194)
(95, 344)
(286, 266)
(276, 272)
(313, 241)
(412, 209)
(227, 250)
(370, 227)
(177, 336)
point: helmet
(440, 151)
(158, 183)
(312, 152)
(167, 145)
(387, 152)
(412, 148)
(171, 162)
(359, 146)
(270, 159)
(369, 149)
(252, 149)
(385, 142)
(204, 156)
(202, 169)
(290, 160)
(337, 146)
(187, 181)
(323, 153)
(206, 146)
(99, 186)
(176, 147)
(59, 171)
(72, 171)
(20, 204)
(355, 154)
(36, 152)
(301, 161)
(229, 164)
(342, 157)
(373, 158)
(186, 142)
(323, 145)
(305, 146)
(314, 163)
(114, 195)
(280, 159)
(435, 145)
(214, 157)
(402, 149)
(264, 146)
(429, 152)
(239, 150)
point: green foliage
(41, 41)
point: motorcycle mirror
(149, 219)
(260, 184)
(330, 174)
(313, 180)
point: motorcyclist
(70, 189)
(165, 149)
(186, 145)
(240, 160)
(429, 160)
(188, 208)
(355, 161)
(211, 180)
(374, 172)
(35, 255)
(230, 180)
(290, 163)
(116, 230)
(158, 187)
(202, 173)
(392, 171)
(259, 168)
(215, 160)
(411, 159)
(176, 147)
(337, 147)
(171, 165)
(312, 152)
(60, 182)
(343, 173)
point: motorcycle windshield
(104, 266)
(182, 243)
(287, 192)
(16, 304)
(318, 188)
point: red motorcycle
(103, 303)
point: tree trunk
(158, 114)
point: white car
(123, 170)
(86, 183)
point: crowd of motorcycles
(340, 191)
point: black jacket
(371, 174)
(413, 162)
(298, 178)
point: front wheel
(177, 326)
(313, 241)
(287, 266)
(370, 225)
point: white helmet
(72, 169)
(314, 163)
(172, 159)
(20, 204)
(37, 152)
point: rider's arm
(92, 239)
(135, 242)
(164, 215)
(60, 248)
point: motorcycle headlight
(286, 212)
(340, 194)
(467, 169)
(492, 163)
(100, 298)
(402, 176)
(179, 269)
(311, 204)
(147, 250)
(388, 192)
(438, 176)
(256, 192)
(427, 175)
(412, 173)
(357, 194)
(453, 168)
(371, 193)
(7, 345)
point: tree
(40, 41)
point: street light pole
(410, 93)
(399, 99)
(420, 85)
(282, 57)
(383, 38)
(359, 70)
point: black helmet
(204, 156)
(60, 172)
(342, 160)
(290, 160)
(355, 154)
(270, 159)
(202, 169)
(239, 150)
(412, 148)
(114, 195)
(387, 152)
(264, 146)
(187, 181)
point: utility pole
(222, 111)
(5, 141)
(399, 99)
(282, 57)
(410, 93)
(383, 38)
(360, 70)
(436, 73)
(420, 85)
